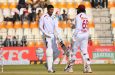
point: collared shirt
(48, 24)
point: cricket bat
(65, 49)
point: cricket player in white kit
(80, 39)
(48, 25)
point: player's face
(50, 11)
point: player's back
(81, 23)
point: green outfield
(108, 69)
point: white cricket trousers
(52, 51)
(81, 41)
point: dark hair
(50, 6)
(80, 11)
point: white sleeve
(56, 25)
(77, 22)
(57, 30)
(41, 25)
(76, 26)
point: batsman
(80, 39)
(48, 25)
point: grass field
(41, 70)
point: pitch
(106, 69)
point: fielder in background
(80, 39)
(48, 25)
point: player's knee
(86, 58)
(49, 52)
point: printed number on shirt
(84, 23)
